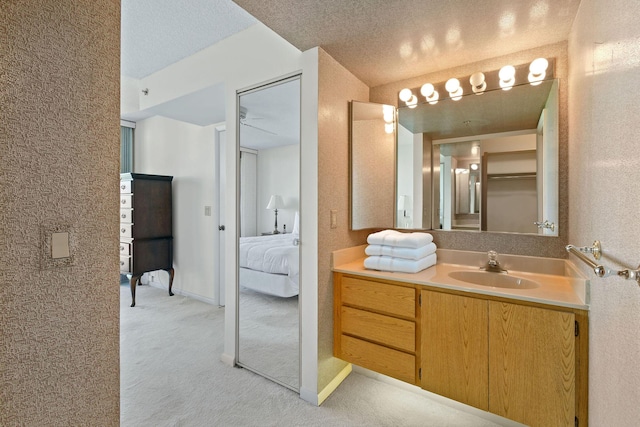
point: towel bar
(599, 269)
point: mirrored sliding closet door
(268, 231)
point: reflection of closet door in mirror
(269, 212)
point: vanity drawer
(393, 363)
(126, 230)
(125, 264)
(385, 330)
(126, 201)
(126, 215)
(382, 297)
(125, 249)
(125, 186)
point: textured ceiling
(157, 33)
(382, 41)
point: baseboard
(333, 385)
(437, 398)
(184, 293)
(316, 398)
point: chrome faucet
(493, 265)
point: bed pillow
(296, 225)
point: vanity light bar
(507, 77)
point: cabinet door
(454, 347)
(532, 364)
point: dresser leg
(134, 280)
(171, 273)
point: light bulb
(475, 149)
(478, 83)
(433, 99)
(405, 95)
(388, 127)
(507, 77)
(538, 66)
(537, 71)
(412, 102)
(430, 93)
(474, 166)
(387, 113)
(453, 87)
(427, 90)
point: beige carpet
(171, 375)
(269, 336)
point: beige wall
(604, 181)
(501, 242)
(336, 87)
(59, 136)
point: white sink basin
(496, 280)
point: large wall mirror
(268, 209)
(372, 165)
(485, 162)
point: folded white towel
(398, 239)
(386, 263)
(406, 253)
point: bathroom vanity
(520, 353)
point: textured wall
(604, 54)
(59, 145)
(503, 242)
(336, 87)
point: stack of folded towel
(391, 250)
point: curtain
(126, 149)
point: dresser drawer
(125, 186)
(126, 230)
(384, 330)
(125, 249)
(394, 363)
(125, 264)
(126, 215)
(391, 299)
(126, 201)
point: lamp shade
(275, 202)
(404, 202)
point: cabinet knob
(122, 230)
(124, 201)
(123, 187)
(121, 248)
(123, 216)
(121, 262)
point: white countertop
(567, 290)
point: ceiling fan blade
(258, 128)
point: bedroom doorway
(268, 232)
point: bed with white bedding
(269, 264)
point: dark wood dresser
(146, 235)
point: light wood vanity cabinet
(521, 360)
(455, 347)
(375, 326)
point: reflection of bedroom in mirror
(269, 203)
